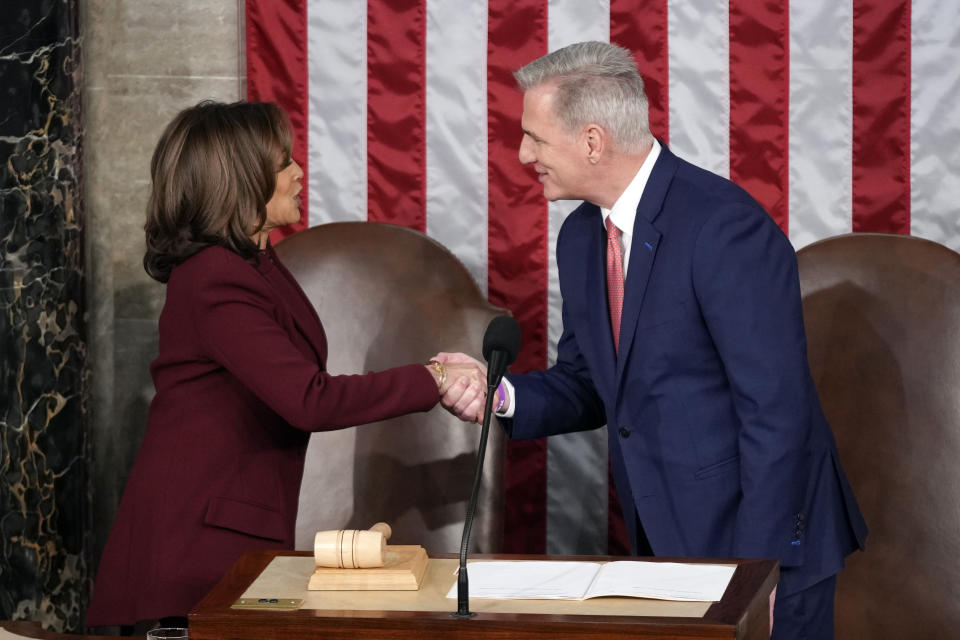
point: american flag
(837, 115)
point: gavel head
(351, 548)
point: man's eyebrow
(532, 135)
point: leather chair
(388, 296)
(882, 315)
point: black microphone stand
(463, 587)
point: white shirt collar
(624, 210)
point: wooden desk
(26, 629)
(741, 614)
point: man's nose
(526, 154)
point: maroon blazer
(240, 383)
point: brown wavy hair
(213, 172)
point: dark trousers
(807, 614)
(640, 545)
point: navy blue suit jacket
(716, 434)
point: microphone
(501, 344)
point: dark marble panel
(44, 491)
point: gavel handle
(383, 528)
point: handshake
(463, 384)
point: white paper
(532, 579)
(523, 579)
(662, 580)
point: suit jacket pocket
(245, 517)
(718, 468)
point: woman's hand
(465, 392)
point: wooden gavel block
(352, 560)
(352, 548)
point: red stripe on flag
(641, 27)
(396, 112)
(517, 247)
(276, 33)
(759, 102)
(881, 116)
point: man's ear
(595, 141)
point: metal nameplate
(274, 604)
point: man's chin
(553, 197)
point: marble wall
(44, 492)
(77, 312)
(144, 60)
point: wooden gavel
(352, 548)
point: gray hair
(596, 82)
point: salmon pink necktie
(614, 280)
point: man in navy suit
(717, 439)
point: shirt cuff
(507, 411)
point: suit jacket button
(624, 432)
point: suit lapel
(643, 250)
(301, 310)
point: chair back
(388, 296)
(882, 314)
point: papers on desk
(522, 579)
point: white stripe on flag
(568, 21)
(576, 462)
(699, 79)
(456, 130)
(337, 135)
(821, 119)
(935, 122)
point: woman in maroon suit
(240, 375)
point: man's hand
(466, 394)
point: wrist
(438, 371)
